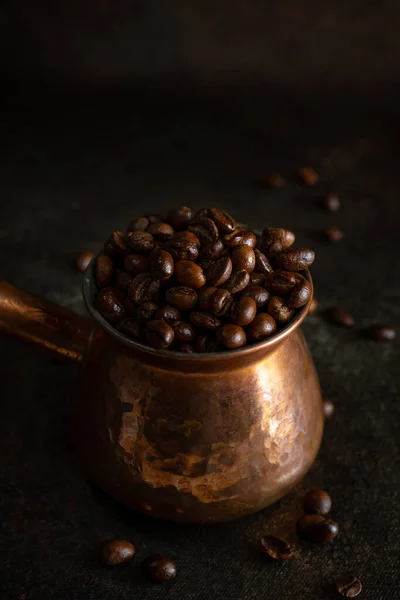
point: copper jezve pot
(195, 438)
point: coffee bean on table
(220, 302)
(104, 271)
(161, 264)
(276, 547)
(317, 529)
(262, 327)
(83, 260)
(340, 317)
(219, 272)
(204, 320)
(278, 309)
(189, 274)
(308, 176)
(237, 282)
(182, 297)
(231, 336)
(276, 239)
(169, 314)
(159, 335)
(259, 294)
(159, 568)
(161, 231)
(295, 259)
(317, 502)
(179, 217)
(116, 552)
(110, 304)
(117, 244)
(146, 311)
(184, 333)
(243, 257)
(243, 311)
(143, 289)
(139, 224)
(333, 234)
(381, 333)
(275, 180)
(348, 586)
(328, 408)
(141, 242)
(301, 293)
(331, 202)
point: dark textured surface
(67, 178)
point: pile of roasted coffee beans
(200, 283)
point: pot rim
(89, 289)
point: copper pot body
(193, 438)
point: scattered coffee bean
(331, 202)
(83, 260)
(348, 586)
(275, 180)
(189, 274)
(328, 408)
(159, 335)
(182, 297)
(169, 314)
(278, 309)
(317, 529)
(159, 568)
(184, 333)
(276, 239)
(231, 336)
(179, 217)
(104, 271)
(276, 547)
(340, 317)
(262, 326)
(243, 311)
(381, 333)
(317, 502)
(313, 306)
(110, 304)
(333, 234)
(295, 259)
(116, 552)
(308, 176)
(259, 294)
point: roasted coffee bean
(182, 297)
(240, 237)
(205, 229)
(220, 302)
(276, 547)
(161, 264)
(188, 236)
(104, 271)
(258, 279)
(331, 202)
(205, 264)
(348, 586)
(130, 307)
(146, 312)
(189, 274)
(135, 264)
(161, 231)
(224, 222)
(83, 260)
(219, 272)
(184, 332)
(204, 320)
(301, 293)
(340, 317)
(141, 242)
(122, 279)
(381, 333)
(187, 348)
(243, 311)
(231, 336)
(280, 283)
(274, 181)
(259, 294)
(205, 343)
(154, 217)
(278, 309)
(179, 217)
(110, 304)
(116, 552)
(262, 326)
(243, 257)
(315, 528)
(143, 289)
(333, 234)
(139, 224)
(159, 335)
(262, 263)
(117, 244)
(308, 176)
(313, 306)
(159, 568)
(204, 297)
(317, 502)
(170, 315)
(130, 328)
(295, 259)
(212, 251)
(328, 408)
(182, 248)
(237, 282)
(276, 239)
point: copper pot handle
(57, 330)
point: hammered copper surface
(191, 438)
